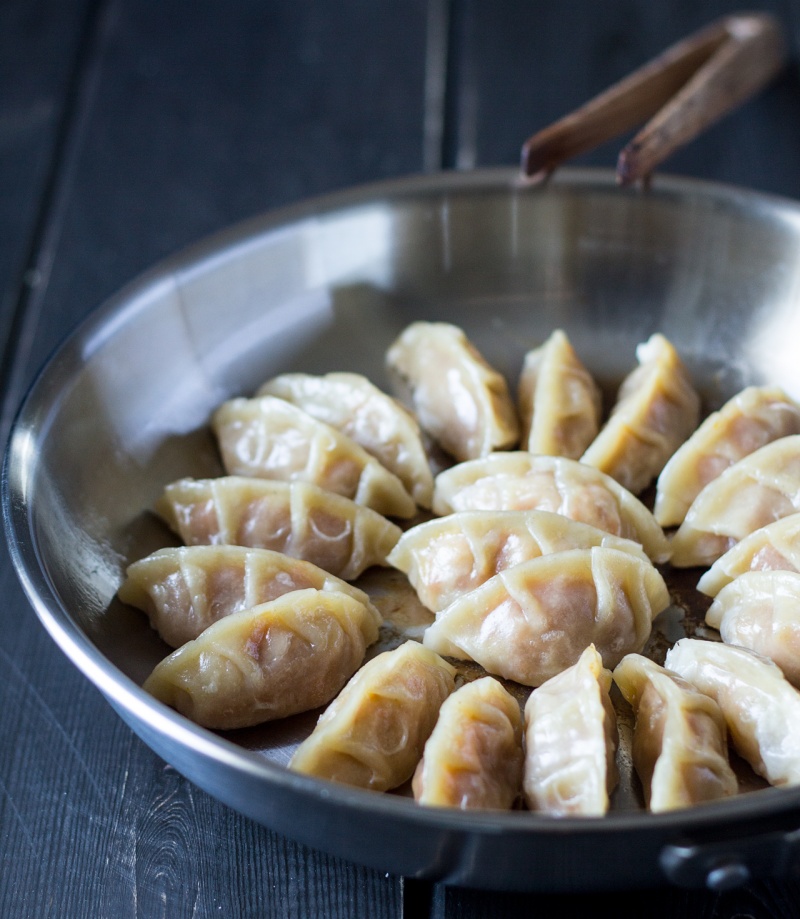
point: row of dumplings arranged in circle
(537, 556)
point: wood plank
(40, 44)
(189, 117)
(196, 117)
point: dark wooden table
(129, 128)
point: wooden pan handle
(685, 88)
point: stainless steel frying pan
(121, 410)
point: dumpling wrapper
(530, 622)
(525, 481)
(270, 438)
(759, 489)
(462, 402)
(350, 403)
(287, 656)
(185, 590)
(657, 408)
(295, 518)
(449, 556)
(571, 741)
(774, 547)
(473, 758)
(751, 419)
(560, 405)
(761, 708)
(373, 734)
(760, 610)
(680, 747)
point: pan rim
(19, 468)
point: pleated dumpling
(571, 740)
(287, 656)
(657, 408)
(185, 590)
(296, 518)
(774, 547)
(757, 490)
(560, 405)
(272, 439)
(462, 402)
(524, 481)
(761, 708)
(447, 557)
(679, 742)
(760, 610)
(530, 622)
(753, 418)
(373, 734)
(473, 758)
(350, 403)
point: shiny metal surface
(121, 409)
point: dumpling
(375, 421)
(374, 733)
(759, 489)
(774, 547)
(571, 740)
(270, 438)
(287, 656)
(185, 590)
(458, 398)
(755, 417)
(657, 408)
(449, 556)
(680, 747)
(473, 758)
(760, 610)
(524, 481)
(761, 708)
(530, 622)
(559, 403)
(296, 518)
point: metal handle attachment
(725, 865)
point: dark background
(129, 128)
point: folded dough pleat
(185, 590)
(774, 547)
(373, 734)
(657, 408)
(473, 758)
(524, 481)
(560, 404)
(295, 518)
(280, 658)
(530, 622)
(272, 439)
(571, 740)
(460, 401)
(751, 419)
(447, 557)
(760, 610)
(350, 403)
(755, 491)
(761, 708)
(679, 743)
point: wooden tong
(685, 89)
